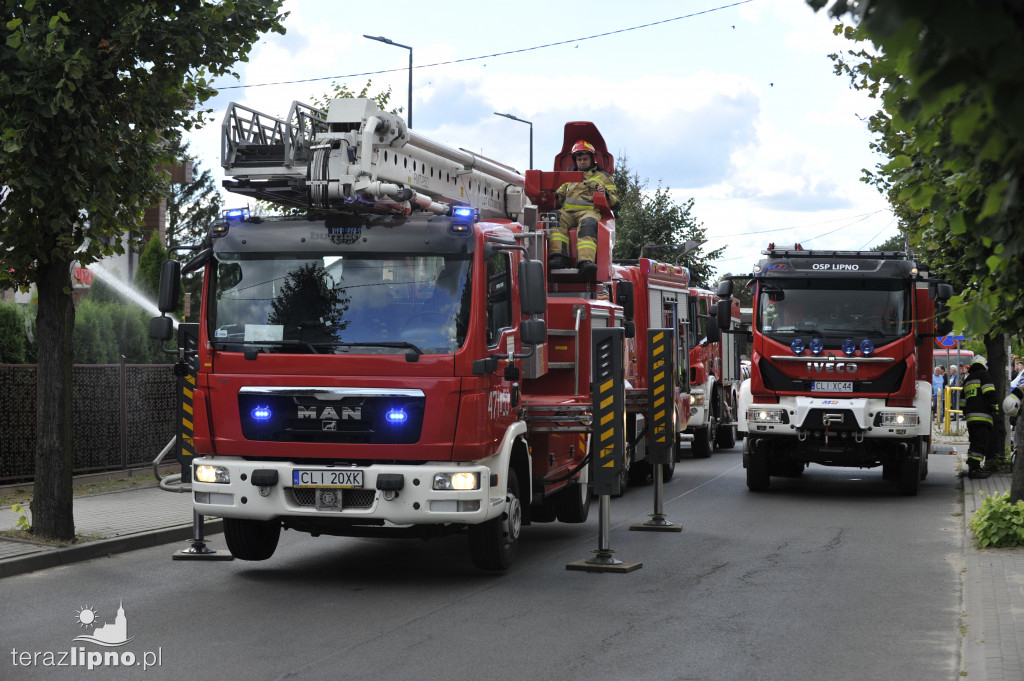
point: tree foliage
(951, 124)
(651, 224)
(90, 94)
(948, 76)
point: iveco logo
(832, 367)
(347, 413)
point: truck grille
(889, 382)
(350, 498)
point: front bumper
(415, 503)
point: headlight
(764, 415)
(205, 473)
(696, 397)
(457, 481)
(897, 419)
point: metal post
(607, 443)
(198, 550)
(511, 117)
(661, 421)
(386, 41)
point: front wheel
(703, 442)
(910, 476)
(758, 477)
(251, 539)
(572, 505)
(493, 544)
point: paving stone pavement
(126, 520)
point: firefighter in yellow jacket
(576, 200)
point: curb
(48, 558)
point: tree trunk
(52, 513)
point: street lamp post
(531, 132)
(382, 39)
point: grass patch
(23, 496)
(28, 537)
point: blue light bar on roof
(236, 214)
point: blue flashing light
(464, 212)
(797, 346)
(261, 414)
(849, 347)
(236, 214)
(396, 416)
(816, 345)
(867, 346)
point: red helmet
(583, 147)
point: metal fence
(122, 416)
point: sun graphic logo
(108, 634)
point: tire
(910, 477)
(758, 478)
(726, 437)
(668, 469)
(572, 505)
(493, 544)
(639, 473)
(251, 539)
(703, 444)
(925, 450)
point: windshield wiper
(381, 344)
(262, 343)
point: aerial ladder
(355, 158)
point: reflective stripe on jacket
(580, 195)
(979, 396)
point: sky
(733, 104)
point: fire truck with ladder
(394, 358)
(840, 365)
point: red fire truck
(714, 374)
(396, 360)
(841, 363)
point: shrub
(998, 522)
(94, 339)
(12, 334)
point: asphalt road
(831, 576)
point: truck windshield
(834, 310)
(279, 302)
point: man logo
(330, 413)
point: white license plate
(832, 386)
(346, 479)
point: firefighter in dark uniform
(980, 409)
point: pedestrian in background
(954, 395)
(938, 383)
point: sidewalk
(127, 520)
(993, 579)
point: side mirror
(630, 328)
(533, 331)
(725, 313)
(170, 286)
(533, 293)
(714, 333)
(725, 288)
(943, 292)
(161, 328)
(624, 297)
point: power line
(496, 54)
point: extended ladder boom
(356, 158)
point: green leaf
(14, 23)
(897, 163)
(957, 224)
(14, 41)
(993, 200)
